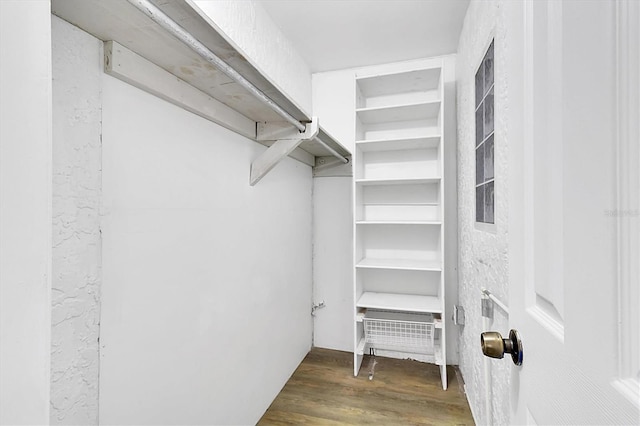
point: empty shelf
(399, 181)
(400, 302)
(373, 145)
(399, 82)
(408, 112)
(403, 264)
(398, 222)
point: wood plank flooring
(323, 391)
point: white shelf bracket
(280, 149)
(332, 167)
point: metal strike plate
(487, 307)
(458, 315)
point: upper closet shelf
(150, 56)
(379, 85)
(402, 112)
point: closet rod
(159, 17)
(332, 151)
(184, 36)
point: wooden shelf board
(399, 144)
(394, 113)
(399, 82)
(123, 23)
(397, 181)
(398, 222)
(401, 264)
(400, 302)
(315, 148)
(401, 204)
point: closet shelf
(400, 264)
(400, 302)
(403, 112)
(400, 144)
(398, 222)
(378, 85)
(397, 181)
(181, 76)
(400, 204)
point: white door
(574, 215)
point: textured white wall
(206, 293)
(483, 256)
(264, 45)
(25, 211)
(77, 165)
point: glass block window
(484, 140)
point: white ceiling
(337, 34)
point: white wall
(332, 262)
(484, 255)
(76, 280)
(205, 294)
(334, 102)
(25, 211)
(206, 280)
(264, 45)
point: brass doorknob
(494, 346)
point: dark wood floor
(323, 391)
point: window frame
(487, 94)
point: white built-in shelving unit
(399, 217)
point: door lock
(494, 346)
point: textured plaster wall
(76, 280)
(251, 28)
(483, 256)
